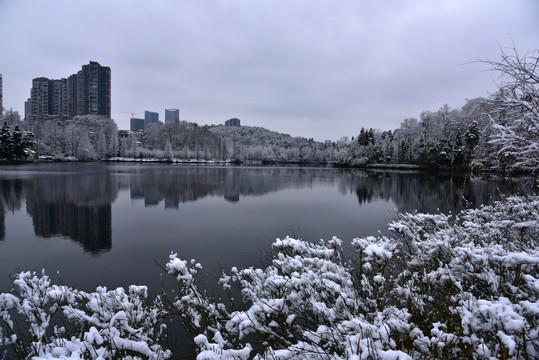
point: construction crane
(132, 113)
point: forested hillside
(498, 132)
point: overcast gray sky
(310, 68)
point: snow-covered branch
(514, 108)
(463, 286)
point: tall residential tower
(85, 93)
(1, 95)
(93, 90)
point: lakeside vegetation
(439, 288)
(499, 133)
(443, 287)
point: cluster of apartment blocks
(1, 96)
(83, 93)
(86, 92)
(138, 124)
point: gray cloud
(319, 69)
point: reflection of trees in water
(410, 191)
(427, 192)
(177, 185)
(75, 206)
(2, 222)
(10, 200)
(78, 204)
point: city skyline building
(27, 108)
(150, 117)
(39, 99)
(72, 88)
(48, 99)
(137, 124)
(172, 115)
(58, 100)
(233, 122)
(93, 90)
(1, 95)
(88, 92)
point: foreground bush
(442, 288)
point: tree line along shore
(500, 132)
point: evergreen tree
(371, 140)
(28, 141)
(17, 143)
(6, 143)
(362, 138)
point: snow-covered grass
(441, 288)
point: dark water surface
(107, 224)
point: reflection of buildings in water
(149, 202)
(2, 222)
(174, 186)
(172, 203)
(74, 206)
(180, 185)
(79, 206)
(91, 226)
(408, 190)
(137, 192)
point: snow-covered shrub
(443, 288)
(474, 282)
(309, 302)
(198, 311)
(43, 320)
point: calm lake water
(107, 224)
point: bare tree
(514, 109)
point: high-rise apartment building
(87, 92)
(39, 99)
(172, 115)
(150, 117)
(58, 97)
(28, 109)
(1, 95)
(72, 103)
(48, 99)
(93, 90)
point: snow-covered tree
(132, 145)
(168, 151)
(12, 118)
(514, 108)
(101, 146)
(123, 147)
(6, 142)
(17, 143)
(86, 137)
(254, 143)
